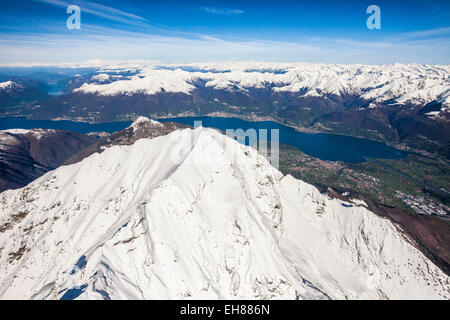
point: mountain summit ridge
(195, 214)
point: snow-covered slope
(27, 154)
(415, 84)
(195, 214)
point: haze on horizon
(35, 31)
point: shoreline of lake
(325, 146)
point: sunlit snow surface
(197, 215)
(409, 83)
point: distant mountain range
(405, 105)
(26, 155)
(160, 212)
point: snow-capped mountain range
(195, 214)
(392, 84)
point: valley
(412, 192)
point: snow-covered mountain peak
(15, 131)
(194, 214)
(412, 83)
(140, 121)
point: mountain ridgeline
(194, 214)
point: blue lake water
(323, 146)
(82, 127)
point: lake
(330, 147)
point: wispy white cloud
(100, 10)
(222, 11)
(112, 43)
(423, 34)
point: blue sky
(34, 31)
